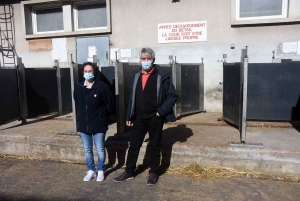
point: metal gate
(183, 76)
(33, 92)
(190, 99)
(232, 92)
(9, 95)
(41, 90)
(261, 91)
(235, 78)
(13, 104)
(66, 93)
(274, 91)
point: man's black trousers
(154, 126)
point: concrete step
(182, 144)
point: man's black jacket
(166, 95)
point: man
(151, 103)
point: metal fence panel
(9, 96)
(66, 90)
(193, 102)
(232, 92)
(192, 97)
(128, 69)
(107, 75)
(41, 90)
(274, 91)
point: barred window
(91, 16)
(258, 9)
(48, 20)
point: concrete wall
(140, 29)
(134, 25)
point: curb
(68, 147)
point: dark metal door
(232, 92)
(66, 90)
(41, 90)
(274, 91)
(87, 47)
(190, 88)
(9, 96)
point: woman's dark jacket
(166, 95)
(93, 107)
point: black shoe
(124, 176)
(152, 179)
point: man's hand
(129, 123)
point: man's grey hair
(147, 50)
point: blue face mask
(88, 76)
(146, 65)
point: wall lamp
(175, 1)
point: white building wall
(134, 25)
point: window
(47, 20)
(260, 9)
(64, 18)
(91, 16)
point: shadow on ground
(118, 145)
(171, 136)
(34, 120)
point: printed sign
(182, 32)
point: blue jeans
(87, 142)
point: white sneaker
(100, 176)
(89, 176)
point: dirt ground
(48, 180)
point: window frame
(68, 19)
(34, 20)
(283, 15)
(75, 15)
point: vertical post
(58, 77)
(243, 98)
(119, 83)
(98, 64)
(201, 87)
(244, 109)
(243, 55)
(95, 59)
(74, 80)
(177, 84)
(173, 79)
(116, 52)
(22, 90)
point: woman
(94, 102)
